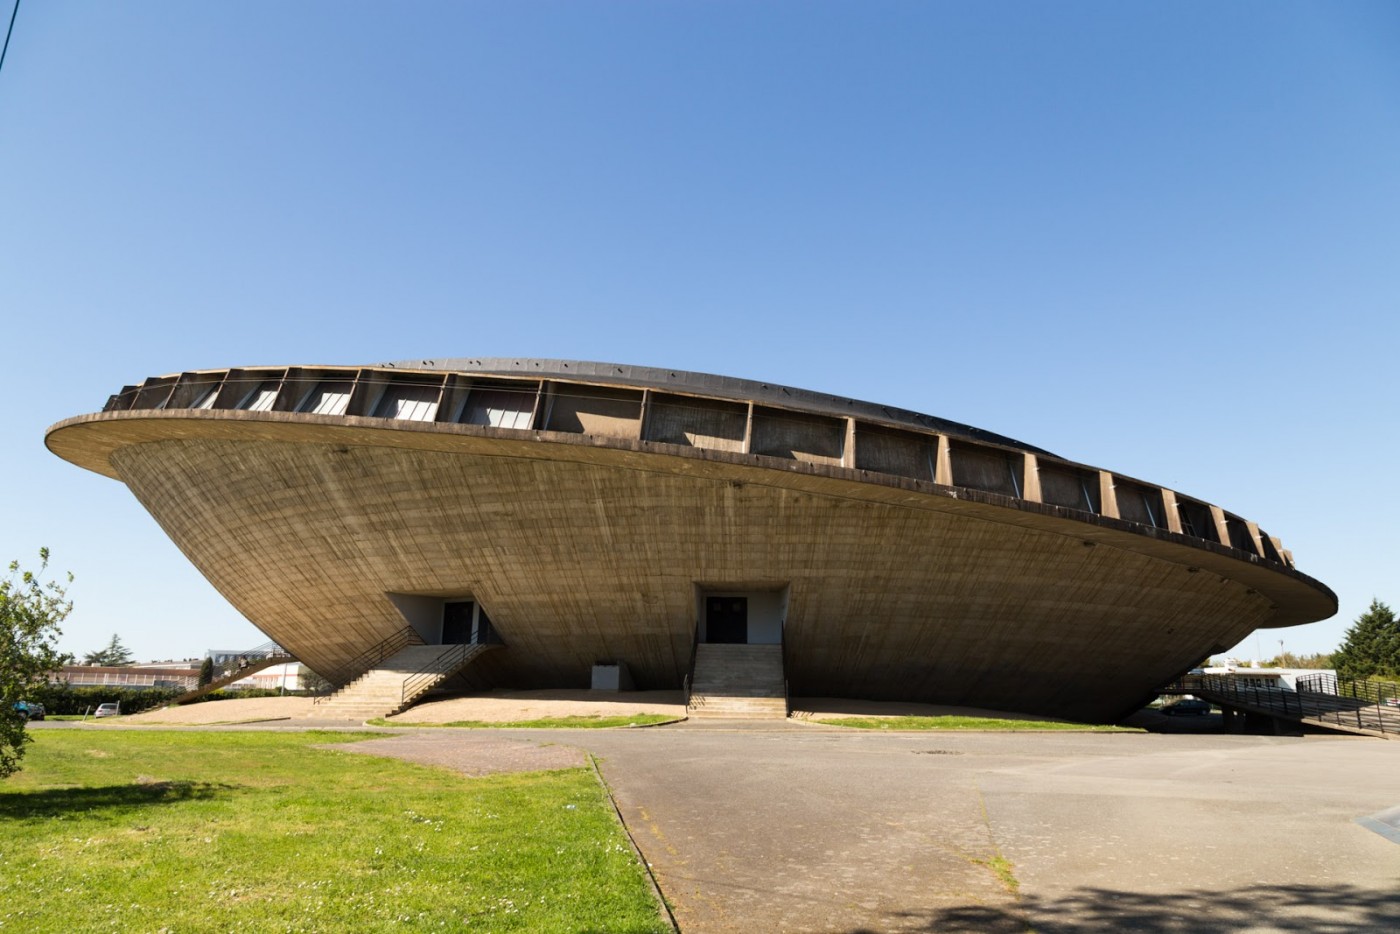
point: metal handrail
(1363, 705)
(1377, 692)
(233, 661)
(689, 681)
(373, 656)
(238, 665)
(417, 682)
(454, 657)
(783, 655)
(1375, 705)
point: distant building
(284, 677)
(1283, 679)
(168, 663)
(127, 676)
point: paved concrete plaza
(798, 828)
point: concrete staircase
(397, 681)
(738, 682)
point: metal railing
(689, 681)
(234, 666)
(1371, 706)
(782, 634)
(1385, 693)
(453, 659)
(372, 656)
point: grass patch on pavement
(580, 722)
(189, 831)
(1005, 872)
(952, 722)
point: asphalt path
(798, 828)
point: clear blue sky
(1163, 239)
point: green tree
(30, 613)
(206, 671)
(1293, 660)
(311, 681)
(113, 653)
(1372, 645)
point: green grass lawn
(971, 723)
(589, 721)
(188, 831)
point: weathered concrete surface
(820, 830)
(945, 585)
(790, 832)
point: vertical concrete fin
(1222, 528)
(645, 415)
(1031, 488)
(1172, 513)
(1108, 495)
(943, 472)
(1256, 536)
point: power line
(6, 48)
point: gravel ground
(837, 708)
(506, 706)
(226, 711)
(503, 706)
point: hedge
(64, 699)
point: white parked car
(108, 710)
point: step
(702, 713)
(739, 703)
(739, 682)
(380, 691)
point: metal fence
(1372, 706)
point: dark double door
(727, 619)
(465, 623)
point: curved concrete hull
(930, 598)
(593, 527)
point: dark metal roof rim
(709, 384)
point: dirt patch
(502, 706)
(508, 706)
(838, 708)
(241, 710)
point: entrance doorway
(464, 622)
(727, 619)
(457, 622)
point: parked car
(1187, 707)
(22, 708)
(37, 712)
(108, 710)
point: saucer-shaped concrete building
(593, 513)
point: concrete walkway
(801, 828)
